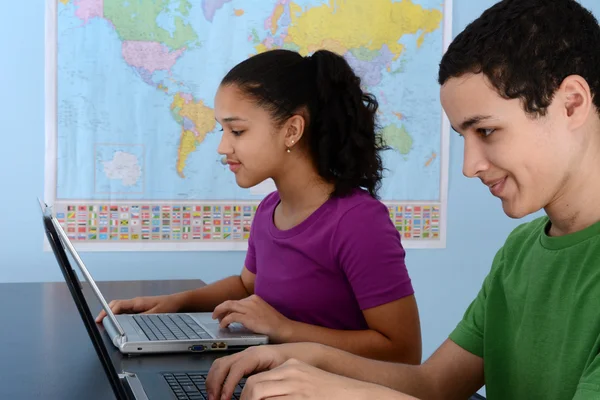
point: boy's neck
(578, 206)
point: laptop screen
(74, 286)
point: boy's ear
(577, 100)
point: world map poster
(131, 138)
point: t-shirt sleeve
(367, 247)
(589, 384)
(468, 334)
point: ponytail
(343, 137)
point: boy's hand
(226, 372)
(296, 380)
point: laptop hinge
(122, 339)
(133, 385)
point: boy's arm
(450, 373)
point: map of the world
(136, 141)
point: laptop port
(213, 346)
(222, 345)
(197, 347)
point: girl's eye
(235, 133)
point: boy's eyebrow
(467, 123)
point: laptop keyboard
(192, 386)
(170, 327)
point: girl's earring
(288, 149)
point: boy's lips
(496, 186)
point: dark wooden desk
(45, 351)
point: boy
(521, 84)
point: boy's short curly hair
(526, 48)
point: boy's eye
(485, 131)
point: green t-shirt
(536, 320)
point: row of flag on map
(216, 222)
(156, 222)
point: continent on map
(196, 120)
(210, 7)
(124, 167)
(397, 138)
(137, 21)
(333, 26)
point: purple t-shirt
(344, 258)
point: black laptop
(182, 385)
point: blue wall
(445, 280)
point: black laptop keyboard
(192, 386)
(170, 327)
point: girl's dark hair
(341, 123)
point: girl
(325, 263)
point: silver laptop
(160, 333)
